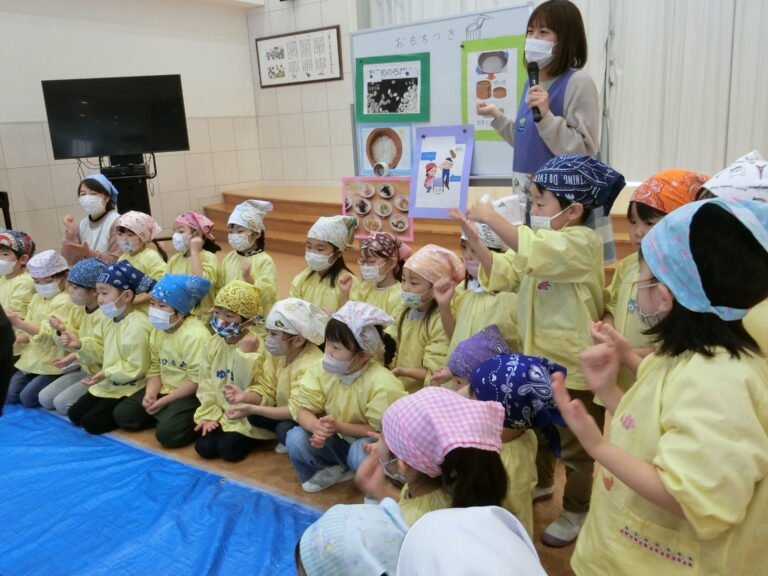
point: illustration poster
(380, 204)
(392, 88)
(380, 145)
(493, 72)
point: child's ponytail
(475, 477)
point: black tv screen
(115, 116)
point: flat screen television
(115, 116)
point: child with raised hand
(557, 263)
(96, 235)
(341, 399)
(382, 257)
(444, 449)
(650, 202)
(422, 344)
(231, 356)
(295, 329)
(135, 230)
(35, 368)
(120, 345)
(320, 282)
(83, 319)
(248, 261)
(196, 250)
(16, 285)
(523, 385)
(176, 345)
(467, 307)
(683, 483)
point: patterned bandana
(336, 230)
(143, 225)
(295, 316)
(433, 262)
(747, 179)
(181, 292)
(583, 179)
(523, 385)
(667, 251)
(241, 298)
(250, 214)
(362, 319)
(86, 272)
(19, 242)
(475, 350)
(197, 222)
(46, 264)
(123, 276)
(385, 245)
(668, 190)
(104, 181)
(423, 427)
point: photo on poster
(392, 88)
(379, 145)
(492, 72)
(380, 204)
(440, 176)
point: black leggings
(95, 415)
(231, 446)
(6, 356)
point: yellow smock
(419, 345)
(414, 508)
(308, 285)
(278, 383)
(562, 281)
(91, 323)
(124, 346)
(621, 302)
(264, 276)
(15, 295)
(175, 356)
(388, 299)
(178, 264)
(519, 459)
(361, 402)
(151, 263)
(223, 364)
(756, 324)
(44, 348)
(702, 423)
(475, 309)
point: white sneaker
(281, 449)
(564, 530)
(543, 493)
(328, 477)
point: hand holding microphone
(533, 80)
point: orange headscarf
(669, 190)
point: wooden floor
(273, 472)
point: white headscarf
(296, 316)
(362, 319)
(337, 230)
(250, 214)
(746, 179)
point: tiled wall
(223, 155)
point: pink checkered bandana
(197, 222)
(422, 428)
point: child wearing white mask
(342, 399)
(248, 260)
(96, 235)
(320, 282)
(134, 231)
(35, 368)
(16, 285)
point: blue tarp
(75, 504)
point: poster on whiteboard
(493, 72)
(392, 88)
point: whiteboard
(443, 38)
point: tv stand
(129, 174)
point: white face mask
(48, 290)
(6, 267)
(110, 309)
(371, 273)
(93, 205)
(240, 242)
(413, 299)
(180, 242)
(539, 51)
(126, 246)
(317, 262)
(276, 345)
(545, 222)
(334, 366)
(160, 319)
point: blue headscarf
(86, 272)
(583, 179)
(181, 292)
(523, 385)
(123, 276)
(104, 181)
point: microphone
(533, 80)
